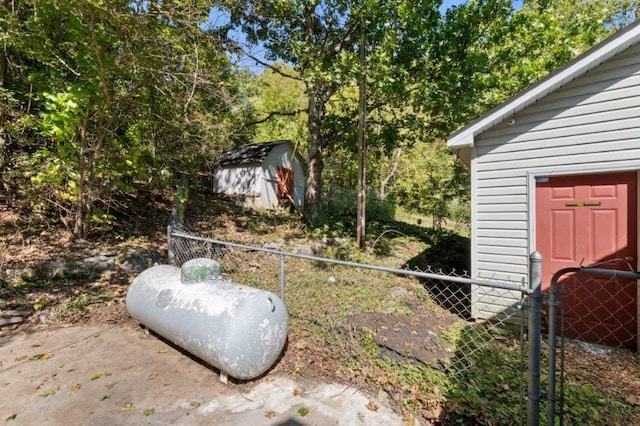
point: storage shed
(555, 169)
(263, 175)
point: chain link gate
(587, 304)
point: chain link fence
(368, 314)
(424, 320)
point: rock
(139, 260)
(11, 321)
(100, 263)
(15, 313)
(274, 245)
(398, 292)
(85, 268)
(304, 249)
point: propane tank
(238, 329)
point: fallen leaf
(4, 384)
(148, 412)
(303, 411)
(166, 384)
(371, 406)
(126, 407)
(103, 397)
(152, 376)
(296, 392)
(163, 351)
(50, 391)
(21, 358)
(270, 414)
(76, 386)
(11, 417)
(97, 335)
(109, 385)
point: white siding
(257, 182)
(282, 155)
(237, 180)
(591, 124)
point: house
(554, 169)
(263, 175)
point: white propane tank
(238, 329)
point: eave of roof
(605, 50)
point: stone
(139, 260)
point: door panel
(590, 220)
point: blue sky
(446, 4)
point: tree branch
(266, 64)
(271, 115)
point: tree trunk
(4, 84)
(315, 162)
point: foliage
(99, 110)
(322, 40)
(281, 101)
(434, 185)
(427, 74)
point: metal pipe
(535, 319)
(500, 285)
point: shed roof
(605, 50)
(254, 153)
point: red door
(590, 220)
(284, 189)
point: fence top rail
(600, 272)
(428, 275)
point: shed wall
(242, 180)
(282, 155)
(592, 124)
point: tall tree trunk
(4, 84)
(315, 158)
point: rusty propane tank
(238, 329)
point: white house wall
(592, 124)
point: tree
(321, 41)
(118, 92)
(281, 103)
(494, 60)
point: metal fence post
(170, 251)
(282, 271)
(535, 328)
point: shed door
(591, 220)
(284, 190)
